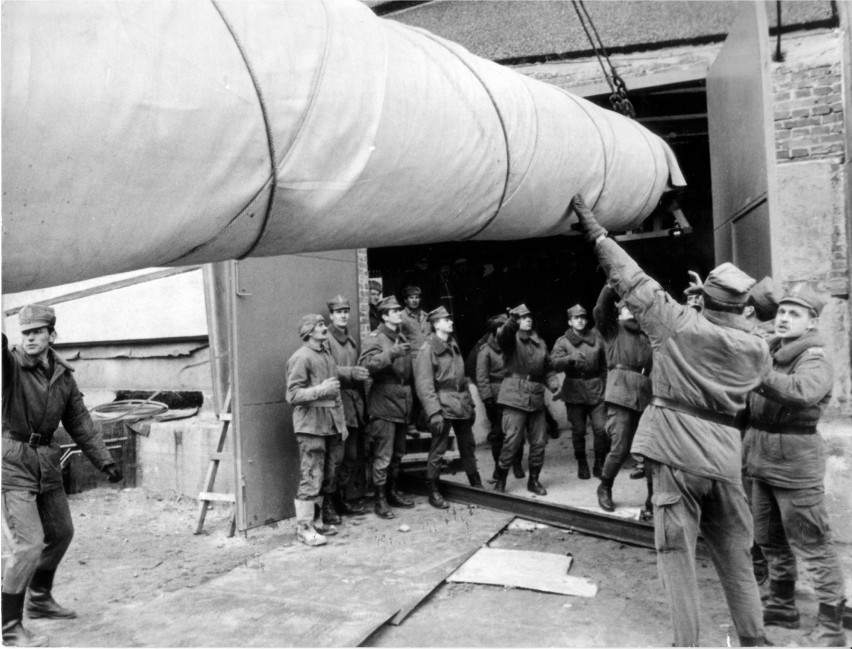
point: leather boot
(329, 514)
(344, 507)
(518, 469)
(605, 495)
(759, 641)
(502, 474)
(828, 631)
(382, 509)
(14, 633)
(395, 498)
(319, 525)
(780, 608)
(597, 467)
(495, 453)
(533, 484)
(40, 602)
(474, 479)
(435, 498)
(583, 469)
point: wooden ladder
(208, 495)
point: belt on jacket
(32, 439)
(713, 416)
(525, 377)
(639, 369)
(790, 429)
(583, 375)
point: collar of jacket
(317, 346)
(417, 315)
(439, 346)
(27, 362)
(793, 348)
(577, 339)
(341, 335)
(725, 319)
(393, 335)
(529, 337)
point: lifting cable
(618, 99)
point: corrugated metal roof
(519, 29)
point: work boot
(305, 531)
(329, 514)
(605, 495)
(14, 633)
(533, 484)
(320, 525)
(435, 498)
(382, 509)
(518, 469)
(474, 479)
(40, 602)
(583, 469)
(344, 507)
(828, 631)
(597, 467)
(759, 641)
(395, 498)
(780, 608)
(502, 474)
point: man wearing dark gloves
(705, 365)
(442, 388)
(39, 393)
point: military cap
(437, 314)
(337, 302)
(762, 297)
(388, 303)
(35, 316)
(412, 290)
(375, 286)
(728, 285)
(307, 324)
(521, 310)
(496, 321)
(805, 296)
(577, 310)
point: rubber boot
(14, 633)
(828, 631)
(40, 602)
(780, 609)
(597, 467)
(319, 524)
(395, 498)
(502, 474)
(305, 531)
(533, 484)
(759, 641)
(382, 509)
(474, 479)
(344, 507)
(605, 495)
(583, 468)
(435, 498)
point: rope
(139, 408)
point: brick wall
(363, 294)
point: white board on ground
(542, 571)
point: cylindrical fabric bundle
(141, 134)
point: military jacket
(583, 360)
(313, 413)
(439, 378)
(346, 351)
(390, 395)
(527, 366)
(34, 402)
(792, 397)
(709, 360)
(628, 355)
(490, 369)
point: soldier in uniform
(443, 390)
(628, 386)
(415, 323)
(375, 298)
(785, 458)
(705, 364)
(762, 306)
(39, 393)
(387, 356)
(528, 368)
(580, 354)
(345, 350)
(319, 422)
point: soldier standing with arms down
(705, 365)
(415, 323)
(387, 356)
(785, 458)
(39, 393)
(375, 298)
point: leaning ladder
(208, 495)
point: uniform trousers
(788, 520)
(621, 426)
(319, 457)
(577, 413)
(349, 457)
(496, 436)
(515, 422)
(463, 428)
(37, 530)
(387, 446)
(684, 505)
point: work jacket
(390, 395)
(439, 378)
(345, 351)
(315, 413)
(582, 358)
(709, 361)
(629, 357)
(415, 327)
(490, 369)
(34, 402)
(781, 446)
(528, 368)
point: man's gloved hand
(400, 349)
(360, 373)
(328, 388)
(592, 230)
(113, 473)
(436, 424)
